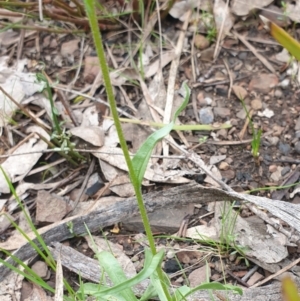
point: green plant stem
(90, 5)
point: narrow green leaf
(215, 286)
(156, 282)
(150, 293)
(141, 158)
(180, 293)
(108, 264)
(289, 290)
(282, 37)
(116, 274)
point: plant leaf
(215, 286)
(141, 158)
(282, 37)
(115, 272)
(155, 281)
(289, 290)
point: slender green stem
(89, 5)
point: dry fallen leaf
(92, 134)
(223, 18)
(12, 166)
(243, 8)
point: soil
(271, 98)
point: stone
(277, 130)
(206, 115)
(273, 140)
(239, 92)
(263, 83)
(216, 159)
(187, 256)
(297, 125)
(223, 166)
(285, 170)
(278, 93)
(276, 176)
(256, 104)
(284, 148)
(297, 147)
(222, 90)
(201, 42)
(171, 266)
(222, 133)
(50, 208)
(297, 134)
(255, 278)
(229, 160)
(41, 269)
(203, 101)
(199, 276)
(228, 174)
(272, 168)
(221, 112)
(208, 101)
(285, 83)
(241, 114)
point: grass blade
(289, 290)
(282, 37)
(141, 158)
(116, 274)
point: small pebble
(221, 90)
(284, 148)
(285, 83)
(221, 112)
(170, 254)
(297, 147)
(134, 258)
(201, 42)
(228, 175)
(179, 280)
(285, 170)
(208, 100)
(41, 269)
(229, 160)
(223, 166)
(243, 56)
(278, 93)
(223, 150)
(171, 266)
(256, 104)
(241, 114)
(272, 168)
(263, 83)
(274, 140)
(222, 133)
(206, 116)
(276, 176)
(297, 125)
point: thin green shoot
(227, 235)
(256, 134)
(41, 248)
(59, 136)
(272, 188)
(211, 30)
(285, 15)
